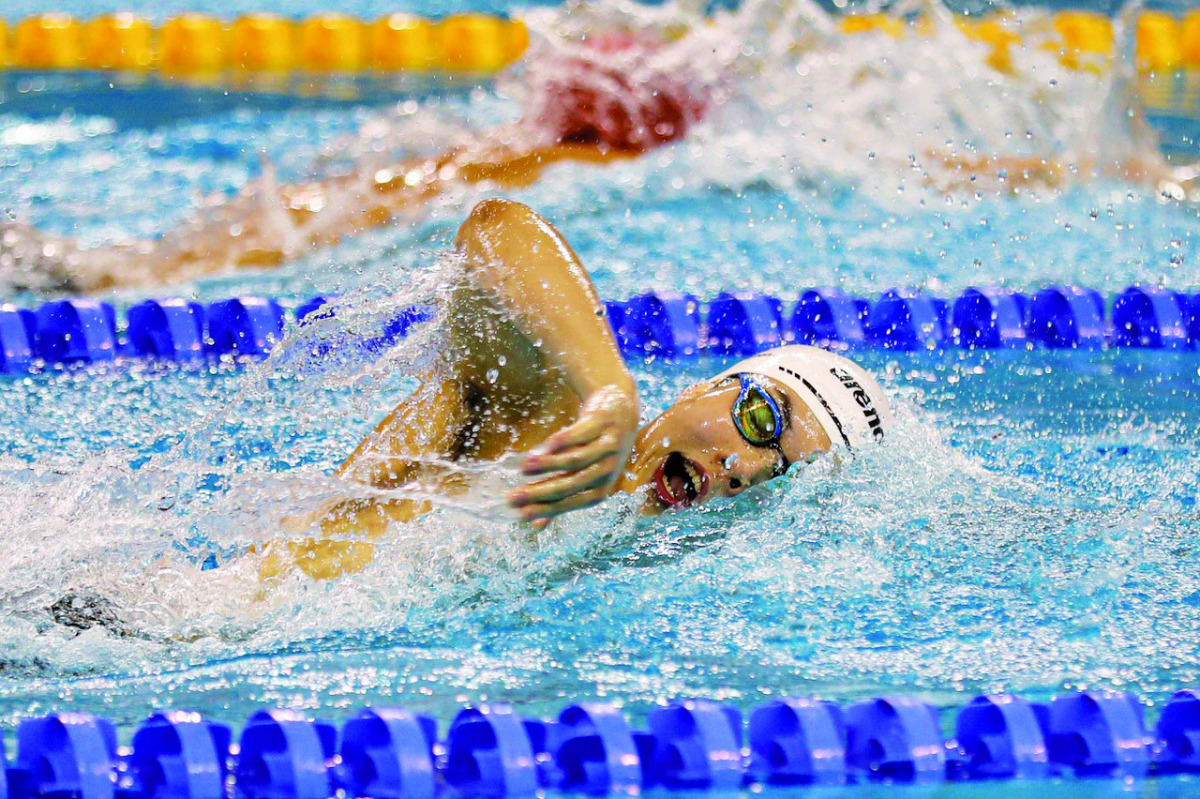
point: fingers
(558, 488)
(571, 460)
(582, 460)
(588, 428)
(545, 511)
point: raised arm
(536, 278)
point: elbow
(487, 215)
(490, 210)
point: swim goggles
(758, 419)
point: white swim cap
(845, 398)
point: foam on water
(1028, 526)
(801, 103)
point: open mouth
(679, 482)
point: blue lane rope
(655, 324)
(591, 748)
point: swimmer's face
(694, 451)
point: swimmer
(530, 366)
(607, 96)
(606, 100)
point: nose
(743, 470)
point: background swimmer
(530, 366)
(611, 99)
(596, 93)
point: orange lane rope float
(261, 42)
(484, 44)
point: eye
(756, 419)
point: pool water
(1030, 527)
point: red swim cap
(612, 92)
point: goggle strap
(836, 422)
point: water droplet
(493, 375)
(730, 461)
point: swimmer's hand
(583, 461)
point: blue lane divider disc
(827, 317)
(387, 753)
(30, 319)
(942, 308)
(169, 328)
(397, 327)
(66, 754)
(1179, 731)
(313, 306)
(1193, 318)
(616, 311)
(489, 753)
(76, 331)
(16, 345)
(179, 755)
(597, 753)
(895, 738)
(743, 324)
(1150, 317)
(987, 319)
(664, 324)
(244, 325)
(545, 737)
(906, 320)
(285, 755)
(85, 330)
(1024, 303)
(798, 741)
(1001, 737)
(1098, 733)
(1061, 317)
(698, 745)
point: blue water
(1031, 526)
(136, 172)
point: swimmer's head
(752, 421)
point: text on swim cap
(862, 398)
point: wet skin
(693, 451)
(530, 366)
